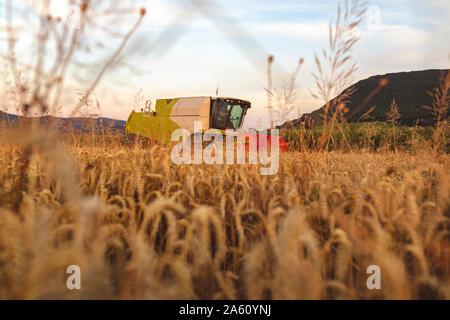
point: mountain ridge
(82, 124)
(409, 89)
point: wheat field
(140, 227)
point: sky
(225, 45)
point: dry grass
(141, 227)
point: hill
(409, 89)
(78, 124)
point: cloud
(195, 57)
(409, 36)
(391, 48)
(310, 31)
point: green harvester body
(159, 122)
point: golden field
(347, 196)
(141, 227)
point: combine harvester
(157, 123)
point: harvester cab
(158, 122)
(228, 113)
